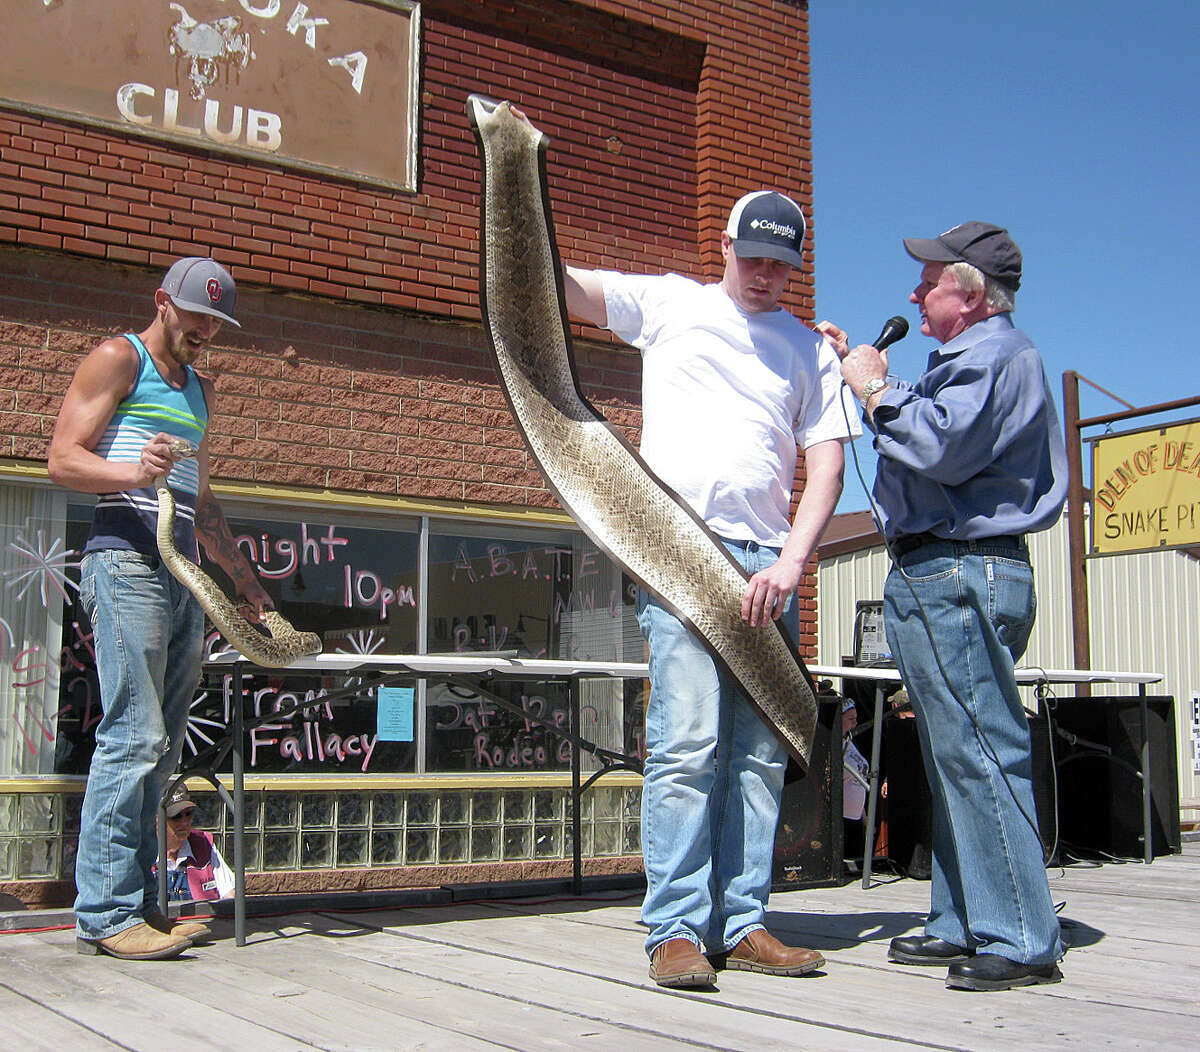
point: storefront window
(542, 594)
(547, 595)
(355, 580)
(353, 584)
(39, 577)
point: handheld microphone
(894, 329)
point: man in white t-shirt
(732, 386)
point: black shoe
(989, 971)
(924, 949)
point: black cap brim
(747, 248)
(930, 250)
(1004, 270)
(204, 308)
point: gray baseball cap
(986, 247)
(200, 284)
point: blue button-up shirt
(974, 448)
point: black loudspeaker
(1045, 790)
(809, 837)
(1098, 745)
(908, 808)
(909, 804)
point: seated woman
(195, 868)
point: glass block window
(345, 829)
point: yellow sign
(1146, 489)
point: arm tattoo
(214, 533)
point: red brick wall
(309, 392)
(362, 366)
(708, 98)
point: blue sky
(1073, 124)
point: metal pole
(239, 811)
(161, 827)
(1134, 411)
(1147, 803)
(1080, 628)
(576, 792)
(873, 789)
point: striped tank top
(128, 519)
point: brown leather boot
(193, 930)
(677, 962)
(761, 952)
(139, 943)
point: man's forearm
(214, 533)
(822, 490)
(812, 516)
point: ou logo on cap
(213, 288)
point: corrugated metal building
(1142, 610)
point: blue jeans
(149, 640)
(710, 795)
(989, 888)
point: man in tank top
(131, 396)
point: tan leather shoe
(762, 952)
(193, 930)
(677, 962)
(139, 943)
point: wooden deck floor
(562, 973)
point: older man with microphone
(971, 460)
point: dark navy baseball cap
(767, 225)
(986, 247)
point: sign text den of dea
(327, 86)
(1146, 489)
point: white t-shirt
(726, 398)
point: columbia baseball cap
(200, 284)
(178, 802)
(986, 247)
(767, 225)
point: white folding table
(1026, 676)
(466, 671)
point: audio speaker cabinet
(1098, 745)
(909, 804)
(810, 837)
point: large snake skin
(598, 477)
(279, 649)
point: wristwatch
(873, 385)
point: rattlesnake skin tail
(278, 650)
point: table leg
(873, 787)
(239, 812)
(1147, 812)
(576, 793)
(161, 826)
